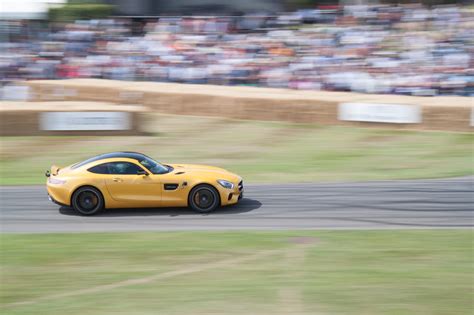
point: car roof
(123, 154)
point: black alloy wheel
(204, 199)
(87, 201)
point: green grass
(259, 151)
(338, 272)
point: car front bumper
(232, 196)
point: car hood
(194, 169)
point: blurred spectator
(370, 49)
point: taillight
(56, 181)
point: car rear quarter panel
(62, 193)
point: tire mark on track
(144, 280)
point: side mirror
(142, 172)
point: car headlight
(56, 181)
(225, 184)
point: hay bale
(439, 113)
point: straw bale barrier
(320, 107)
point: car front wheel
(204, 199)
(87, 201)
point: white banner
(385, 113)
(15, 93)
(63, 121)
(472, 117)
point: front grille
(241, 185)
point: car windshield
(155, 167)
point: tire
(204, 199)
(87, 200)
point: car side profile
(134, 180)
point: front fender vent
(179, 173)
(171, 186)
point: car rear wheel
(204, 199)
(87, 200)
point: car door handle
(117, 180)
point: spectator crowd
(408, 49)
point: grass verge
(311, 272)
(259, 151)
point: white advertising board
(85, 121)
(15, 93)
(384, 113)
(472, 117)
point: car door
(175, 190)
(129, 183)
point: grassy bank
(325, 272)
(259, 151)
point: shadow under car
(245, 205)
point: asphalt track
(439, 203)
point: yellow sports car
(132, 180)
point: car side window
(99, 169)
(123, 168)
